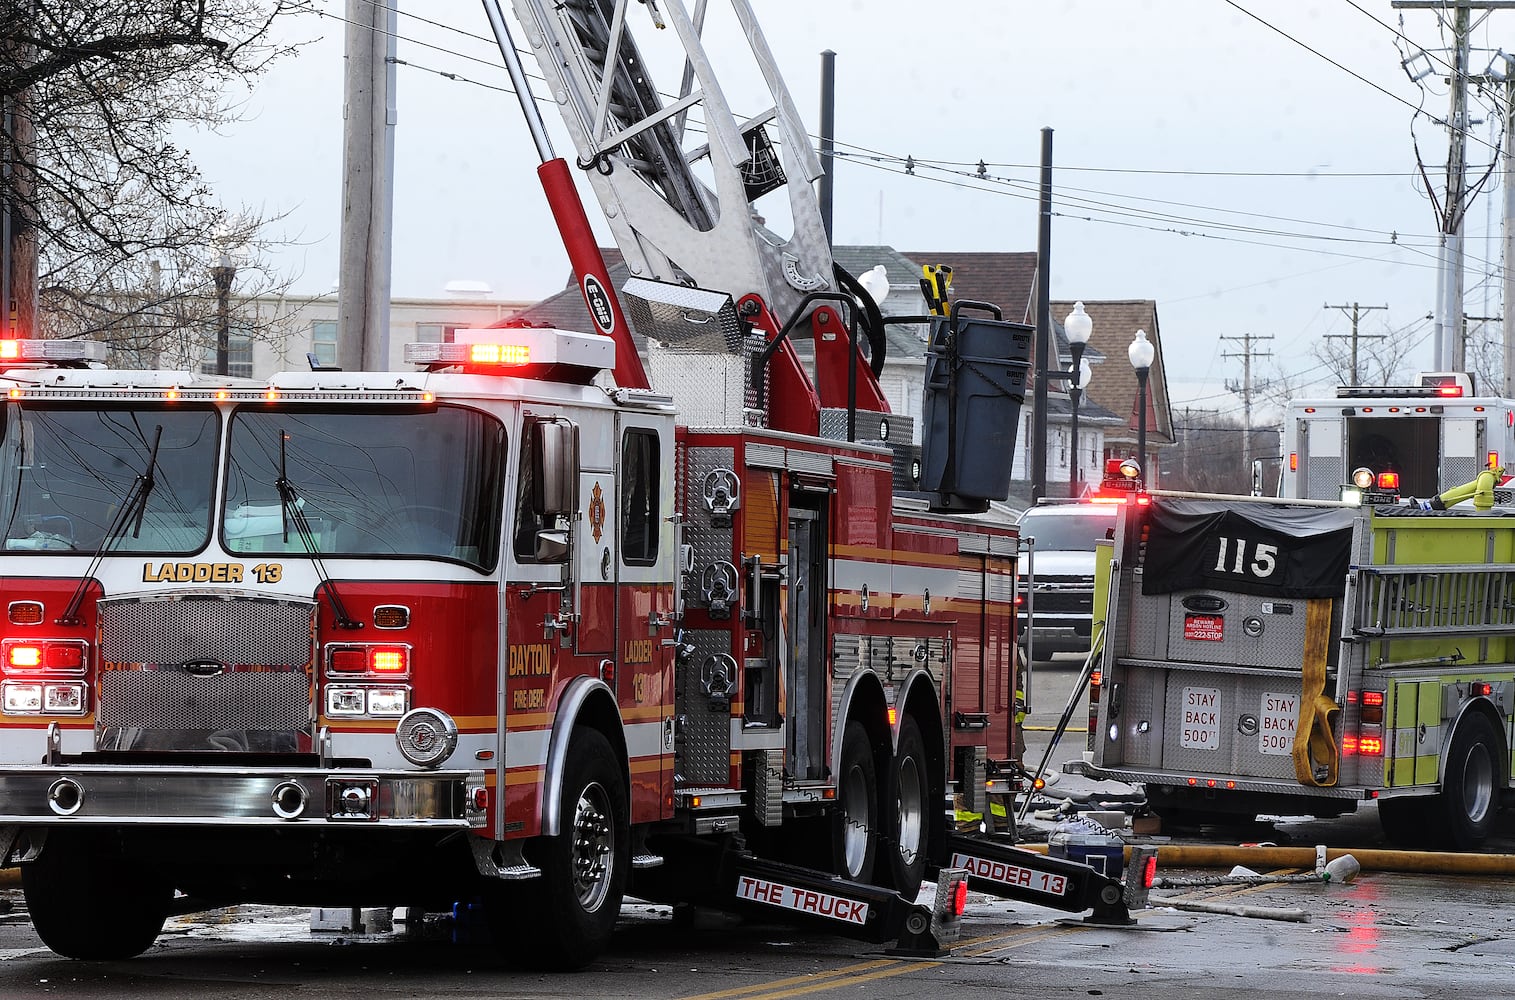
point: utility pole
(1449, 347)
(1043, 326)
(1247, 353)
(1355, 336)
(827, 187)
(1507, 179)
(367, 186)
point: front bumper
(220, 796)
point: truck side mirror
(555, 456)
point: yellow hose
(1226, 856)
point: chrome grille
(264, 700)
(253, 631)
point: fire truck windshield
(65, 471)
(425, 483)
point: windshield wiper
(292, 508)
(133, 508)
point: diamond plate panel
(710, 544)
(1142, 691)
(1459, 469)
(1324, 477)
(704, 751)
(250, 631)
(1258, 631)
(1238, 752)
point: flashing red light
(1349, 744)
(1449, 390)
(1149, 871)
(1388, 481)
(1104, 499)
(1351, 697)
(1095, 678)
(499, 354)
(387, 661)
(960, 898)
(1293, 461)
(480, 798)
(1480, 689)
(1372, 697)
(1370, 746)
(1493, 458)
(45, 655)
(1193, 782)
(10, 350)
(1209, 782)
(1143, 500)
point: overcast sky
(1202, 158)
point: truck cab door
(645, 560)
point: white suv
(1062, 565)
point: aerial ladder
(679, 177)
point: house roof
(1004, 279)
(1114, 385)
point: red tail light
(960, 898)
(1149, 872)
(43, 655)
(1370, 746)
(1388, 481)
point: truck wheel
(909, 824)
(88, 901)
(855, 823)
(572, 909)
(1470, 787)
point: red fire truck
(500, 627)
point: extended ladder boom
(680, 203)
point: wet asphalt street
(1385, 934)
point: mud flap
(1029, 877)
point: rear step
(1015, 873)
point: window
(323, 340)
(73, 478)
(239, 354)
(426, 483)
(639, 498)
(436, 333)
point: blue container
(1089, 844)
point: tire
(564, 919)
(1470, 785)
(909, 820)
(88, 901)
(854, 827)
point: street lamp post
(223, 274)
(1078, 326)
(1141, 352)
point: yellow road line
(780, 983)
(880, 968)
